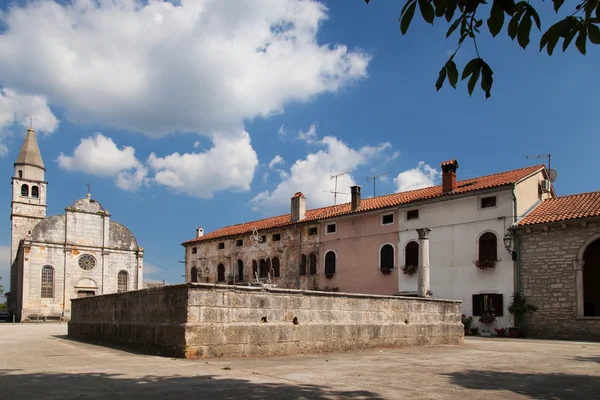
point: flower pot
(386, 271)
(486, 334)
(514, 332)
(501, 334)
(328, 276)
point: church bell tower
(28, 205)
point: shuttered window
(386, 257)
(276, 268)
(488, 247)
(303, 265)
(411, 254)
(220, 273)
(312, 264)
(240, 270)
(194, 274)
(488, 304)
(330, 263)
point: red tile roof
(375, 203)
(583, 205)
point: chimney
(199, 232)
(355, 192)
(298, 207)
(449, 175)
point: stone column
(423, 272)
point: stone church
(54, 259)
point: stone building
(558, 267)
(365, 245)
(57, 258)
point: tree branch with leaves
(582, 22)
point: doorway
(591, 280)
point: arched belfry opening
(591, 280)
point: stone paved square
(40, 362)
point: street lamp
(508, 244)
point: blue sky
(327, 89)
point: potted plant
(386, 270)
(329, 275)
(486, 333)
(409, 270)
(485, 264)
(500, 331)
(487, 318)
(466, 322)
(518, 308)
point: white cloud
(421, 176)
(16, 107)
(150, 269)
(281, 132)
(186, 66)
(276, 160)
(312, 176)
(100, 156)
(196, 144)
(310, 136)
(229, 165)
(3, 149)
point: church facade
(57, 258)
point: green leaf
(450, 8)
(557, 4)
(507, 5)
(474, 78)
(427, 11)
(440, 81)
(408, 3)
(593, 33)
(513, 25)
(532, 11)
(407, 17)
(524, 31)
(581, 40)
(440, 7)
(551, 36)
(453, 27)
(470, 67)
(598, 11)
(452, 73)
(486, 79)
(496, 19)
(568, 39)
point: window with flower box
(491, 303)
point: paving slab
(41, 362)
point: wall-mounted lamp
(508, 245)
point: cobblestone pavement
(40, 362)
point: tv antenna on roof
(335, 192)
(552, 174)
(374, 178)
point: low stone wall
(205, 320)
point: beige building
(558, 267)
(371, 245)
(54, 259)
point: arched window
(488, 248)
(194, 274)
(264, 269)
(220, 273)
(312, 264)
(240, 270)
(386, 257)
(275, 264)
(411, 254)
(591, 280)
(122, 281)
(20, 174)
(35, 192)
(254, 269)
(47, 282)
(330, 263)
(303, 265)
(24, 190)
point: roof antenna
(374, 178)
(89, 193)
(552, 174)
(335, 192)
(30, 122)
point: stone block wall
(219, 320)
(548, 263)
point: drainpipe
(299, 257)
(517, 249)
